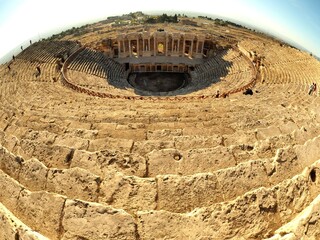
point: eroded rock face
(103, 162)
(129, 193)
(75, 182)
(41, 210)
(13, 228)
(304, 226)
(84, 156)
(249, 216)
(94, 221)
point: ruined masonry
(85, 154)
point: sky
(294, 21)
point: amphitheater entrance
(158, 82)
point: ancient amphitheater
(91, 150)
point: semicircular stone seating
(124, 166)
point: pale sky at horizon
(291, 20)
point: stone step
(305, 225)
(183, 193)
(248, 215)
(134, 193)
(104, 162)
(58, 217)
(61, 155)
(12, 228)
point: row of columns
(129, 46)
(163, 67)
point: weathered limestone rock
(292, 160)
(182, 194)
(95, 221)
(72, 142)
(285, 164)
(306, 132)
(41, 124)
(164, 134)
(145, 147)
(241, 179)
(74, 183)
(81, 131)
(123, 145)
(10, 142)
(242, 153)
(264, 133)
(306, 225)
(171, 161)
(129, 193)
(191, 142)
(51, 156)
(162, 224)
(44, 137)
(267, 148)
(12, 228)
(104, 128)
(133, 134)
(10, 191)
(33, 174)
(287, 199)
(102, 162)
(10, 163)
(41, 211)
(216, 130)
(309, 152)
(288, 127)
(240, 137)
(254, 215)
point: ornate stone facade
(159, 43)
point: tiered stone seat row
(86, 183)
(261, 205)
(25, 71)
(302, 72)
(54, 215)
(96, 63)
(89, 141)
(119, 198)
(98, 84)
(228, 68)
(48, 51)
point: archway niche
(160, 48)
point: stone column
(149, 44)
(183, 47)
(154, 46)
(172, 46)
(143, 46)
(190, 53)
(130, 52)
(138, 46)
(166, 52)
(124, 46)
(119, 48)
(197, 47)
(202, 47)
